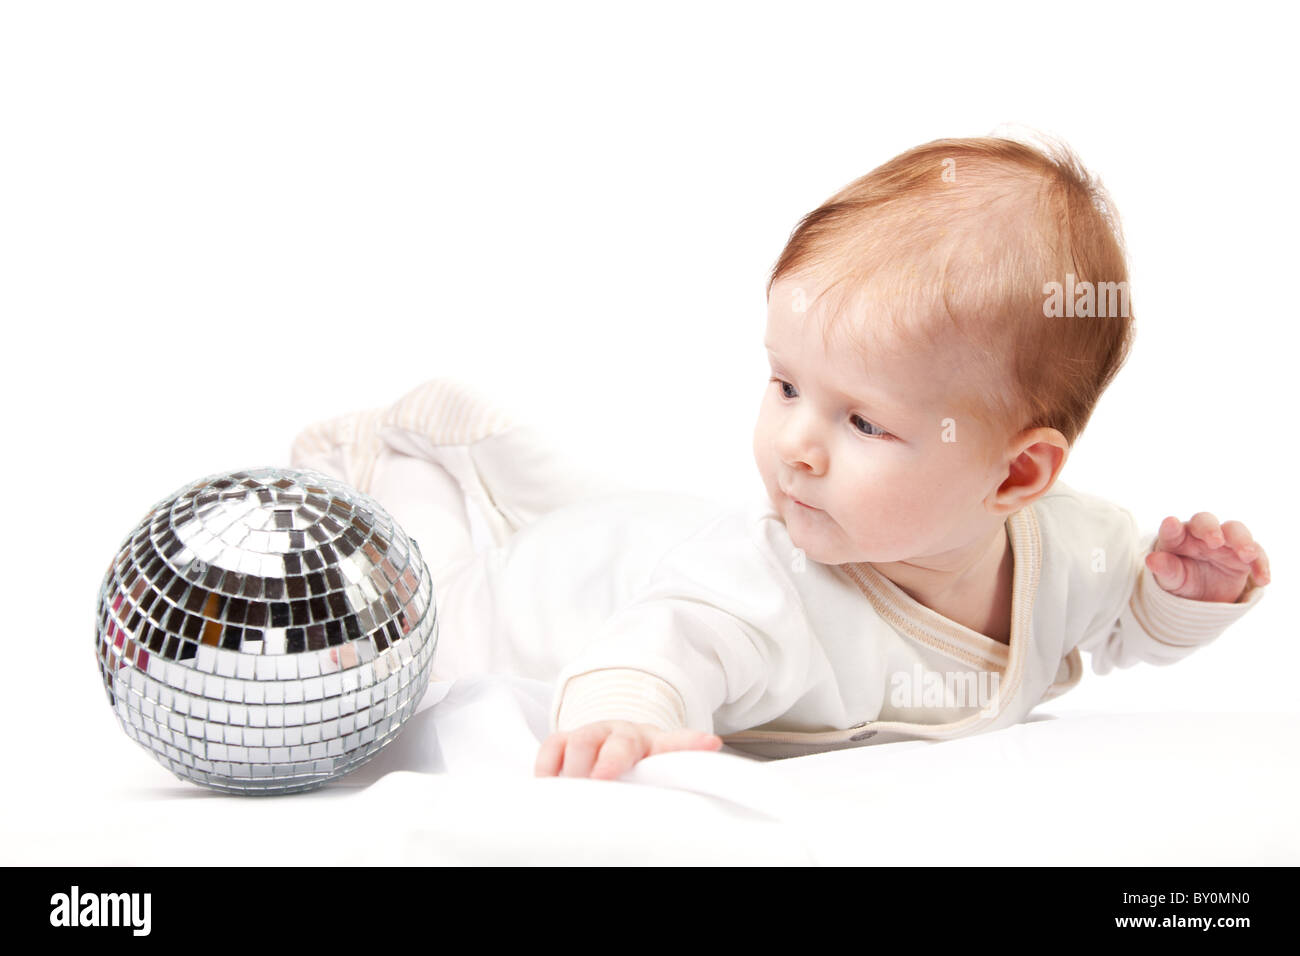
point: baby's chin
(819, 544)
(825, 542)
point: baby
(938, 333)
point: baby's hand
(619, 743)
(1205, 562)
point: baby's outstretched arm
(1204, 561)
(606, 749)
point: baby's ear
(1037, 457)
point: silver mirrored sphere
(266, 631)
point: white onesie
(685, 612)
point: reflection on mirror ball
(265, 631)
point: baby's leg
(460, 477)
(427, 503)
(509, 470)
(453, 468)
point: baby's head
(925, 382)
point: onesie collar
(915, 621)
(926, 626)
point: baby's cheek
(876, 534)
(764, 457)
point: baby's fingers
(1247, 550)
(617, 754)
(1172, 534)
(580, 750)
(1168, 569)
(567, 753)
(685, 740)
(606, 751)
(550, 757)
(1205, 528)
(1260, 570)
(621, 751)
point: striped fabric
(444, 410)
(1174, 621)
(619, 693)
(448, 412)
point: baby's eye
(784, 387)
(870, 429)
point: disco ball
(265, 631)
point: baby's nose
(800, 449)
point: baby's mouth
(800, 504)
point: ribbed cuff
(618, 693)
(1184, 622)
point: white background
(220, 222)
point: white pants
(458, 475)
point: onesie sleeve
(619, 693)
(715, 641)
(1151, 624)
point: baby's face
(859, 460)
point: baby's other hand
(606, 749)
(1204, 561)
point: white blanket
(457, 788)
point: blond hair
(967, 234)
